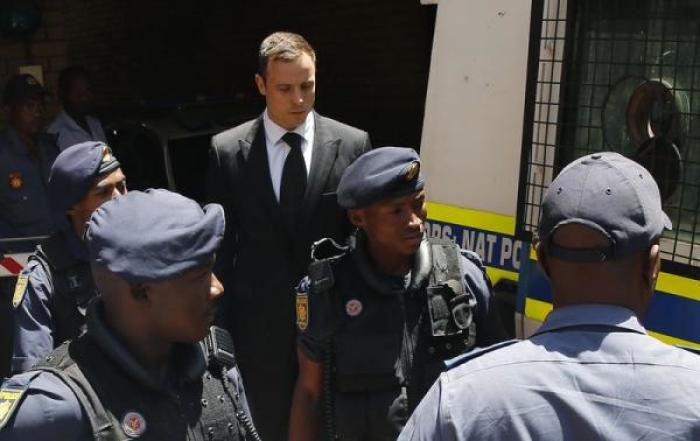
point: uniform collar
(275, 132)
(592, 315)
(392, 285)
(69, 122)
(77, 247)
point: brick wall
(373, 55)
(47, 47)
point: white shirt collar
(275, 132)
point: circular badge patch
(133, 424)
(353, 307)
(15, 180)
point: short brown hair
(285, 46)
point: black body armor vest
(119, 403)
(72, 286)
(388, 340)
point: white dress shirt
(277, 149)
(70, 133)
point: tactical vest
(70, 280)
(389, 341)
(121, 408)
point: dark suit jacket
(261, 261)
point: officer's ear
(541, 257)
(357, 217)
(260, 82)
(652, 266)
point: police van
(518, 89)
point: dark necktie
(293, 183)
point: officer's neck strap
(422, 267)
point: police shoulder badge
(20, 288)
(353, 307)
(15, 181)
(133, 424)
(411, 171)
(302, 310)
(9, 399)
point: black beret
(75, 170)
(155, 235)
(382, 173)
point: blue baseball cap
(154, 235)
(75, 170)
(608, 193)
(380, 174)
(21, 87)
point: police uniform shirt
(24, 206)
(589, 373)
(488, 325)
(69, 133)
(34, 322)
(48, 409)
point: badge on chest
(133, 424)
(353, 307)
(15, 181)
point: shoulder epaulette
(20, 288)
(11, 392)
(476, 353)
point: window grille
(620, 75)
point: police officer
(52, 293)
(75, 124)
(377, 320)
(590, 372)
(26, 156)
(138, 370)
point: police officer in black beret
(52, 293)
(138, 371)
(377, 320)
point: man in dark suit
(276, 177)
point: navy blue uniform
(24, 204)
(52, 307)
(376, 329)
(590, 372)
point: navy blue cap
(380, 174)
(610, 194)
(75, 170)
(21, 87)
(154, 235)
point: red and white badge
(133, 424)
(353, 307)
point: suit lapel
(254, 151)
(323, 157)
